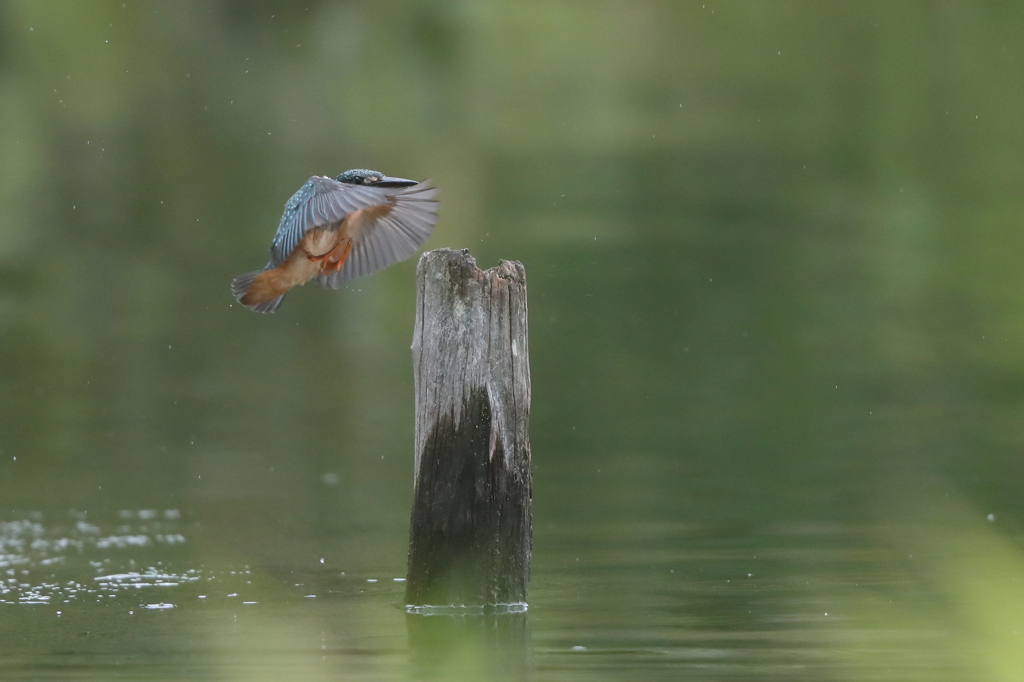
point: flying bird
(339, 229)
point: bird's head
(372, 178)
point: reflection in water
(470, 646)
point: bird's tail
(257, 291)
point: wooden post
(471, 530)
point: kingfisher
(339, 229)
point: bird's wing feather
(387, 232)
(320, 202)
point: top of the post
(455, 260)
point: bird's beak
(394, 182)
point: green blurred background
(776, 315)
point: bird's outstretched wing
(318, 203)
(386, 231)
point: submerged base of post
(471, 529)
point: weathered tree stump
(471, 530)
